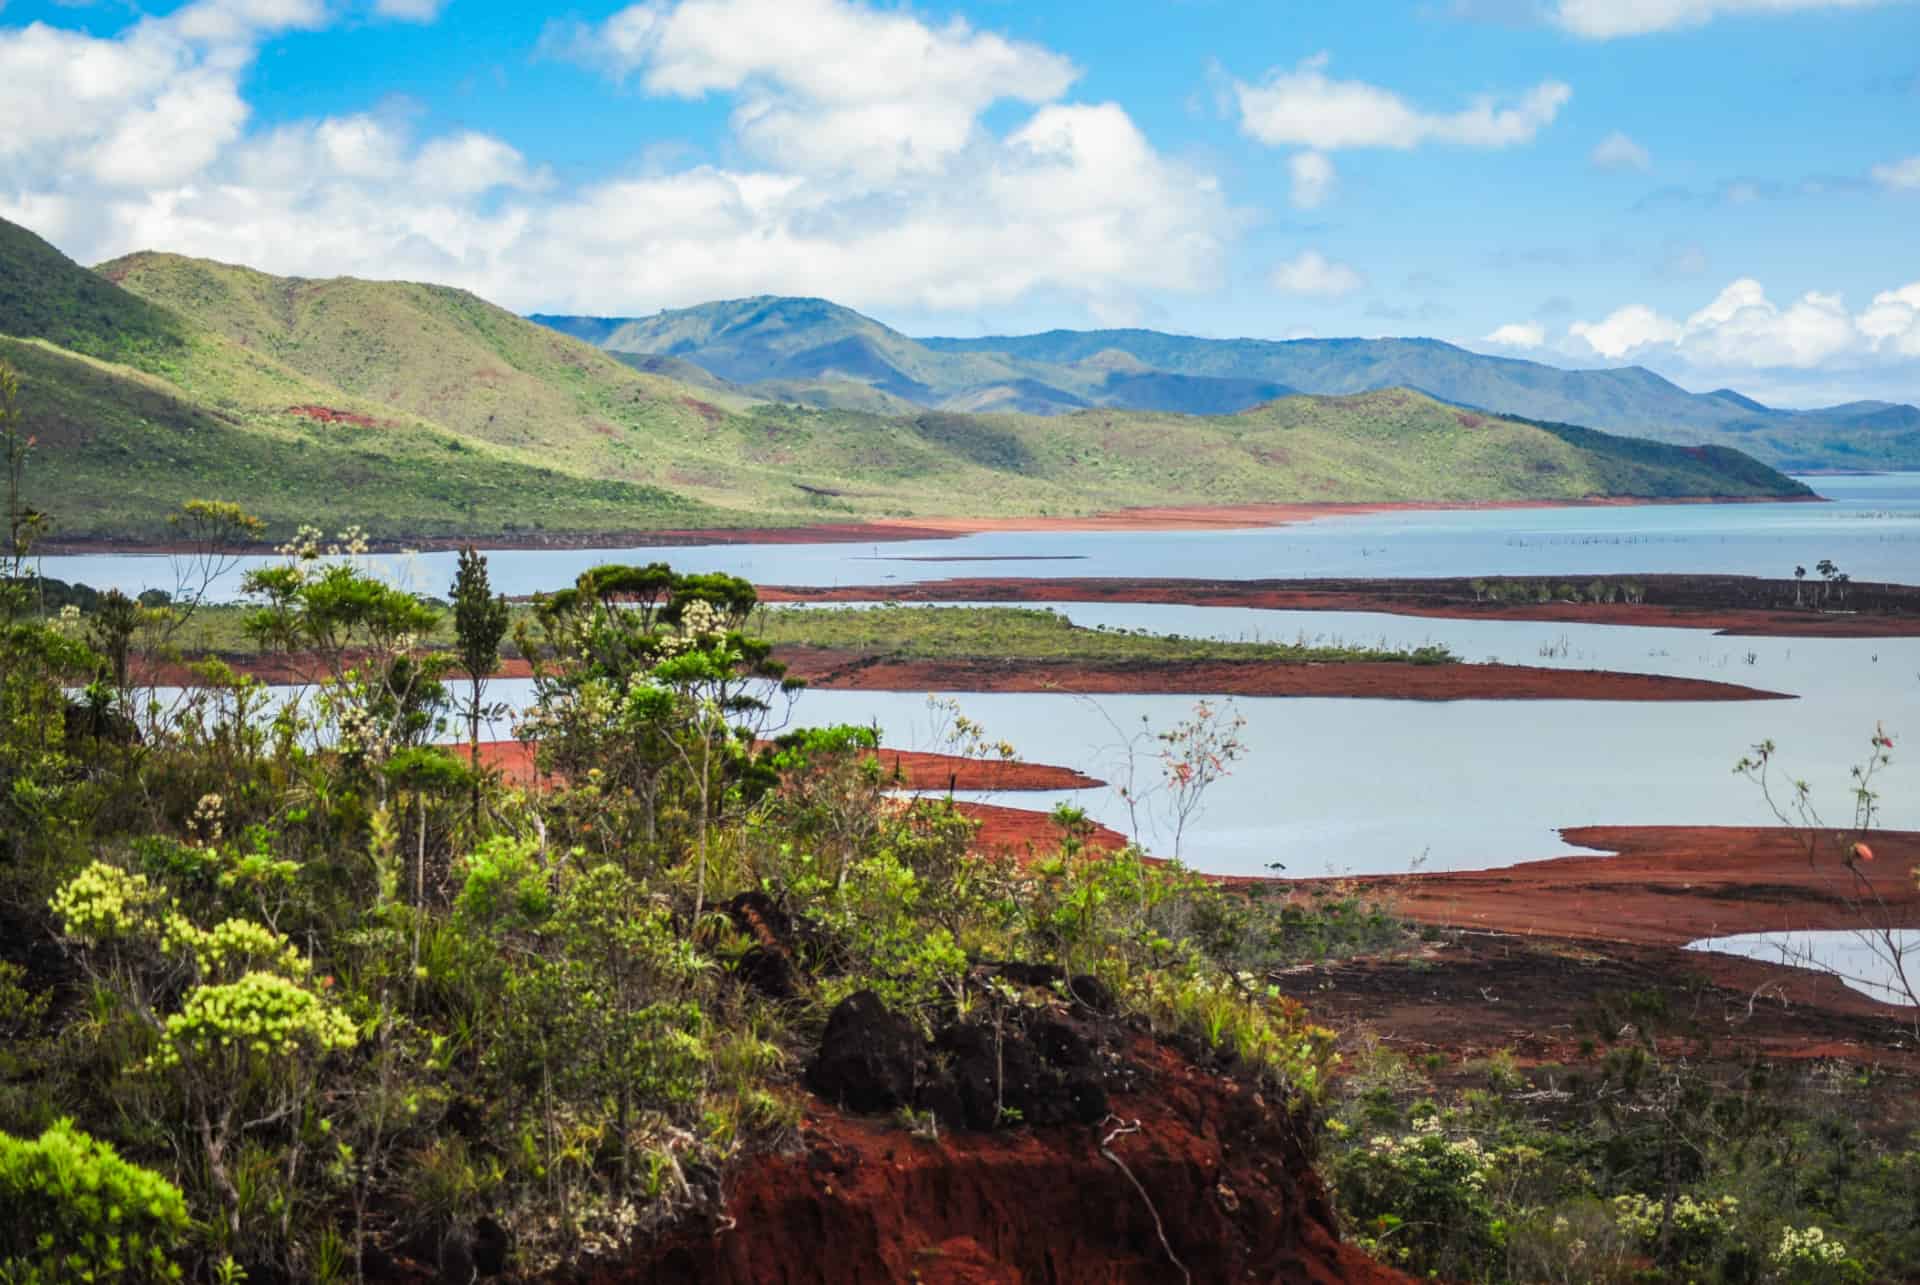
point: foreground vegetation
(1650, 1157)
(423, 412)
(289, 988)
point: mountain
(420, 411)
(840, 352)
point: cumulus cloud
(1312, 273)
(1518, 334)
(1313, 179)
(883, 207)
(1305, 107)
(823, 83)
(1741, 328)
(1901, 175)
(1608, 19)
(1617, 153)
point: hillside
(421, 411)
(756, 341)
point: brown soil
(860, 1200)
(844, 670)
(1723, 603)
(1023, 832)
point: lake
(1384, 786)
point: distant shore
(1712, 602)
(855, 531)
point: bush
(72, 1210)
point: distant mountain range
(421, 411)
(821, 354)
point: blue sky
(1727, 191)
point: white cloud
(1892, 323)
(1607, 19)
(1312, 273)
(1626, 330)
(409, 10)
(1069, 199)
(1904, 175)
(1305, 107)
(1742, 329)
(824, 84)
(1518, 334)
(1616, 152)
(1313, 179)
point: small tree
(479, 623)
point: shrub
(72, 1210)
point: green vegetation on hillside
(423, 411)
(768, 345)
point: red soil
(1384, 680)
(863, 1201)
(328, 415)
(1401, 598)
(1667, 886)
(1024, 832)
(920, 770)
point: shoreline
(828, 669)
(1440, 598)
(1174, 517)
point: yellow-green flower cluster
(233, 946)
(104, 903)
(260, 1018)
(1808, 1247)
(1462, 1159)
(1640, 1216)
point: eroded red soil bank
(918, 770)
(1696, 602)
(861, 1200)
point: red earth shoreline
(1406, 599)
(833, 670)
(1146, 518)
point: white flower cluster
(306, 545)
(208, 820)
(1428, 1146)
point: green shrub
(72, 1210)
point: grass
(920, 633)
(1026, 633)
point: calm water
(1376, 786)
(1871, 529)
(1873, 966)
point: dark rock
(768, 965)
(867, 1058)
(490, 1246)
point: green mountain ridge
(421, 411)
(753, 342)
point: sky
(1725, 191)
